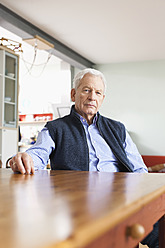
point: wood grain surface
(74, 209)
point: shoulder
(111, 122)
(62, 124)
(112, 126)
(58, 121)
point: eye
(98, 93)
(86, 90)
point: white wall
(136, 96)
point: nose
(92, 95)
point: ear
(73, 93)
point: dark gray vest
(71, 149)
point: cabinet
(9, 62)
(9, 144)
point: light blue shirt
(101, 157)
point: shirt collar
(83, 120)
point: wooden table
(73, 209)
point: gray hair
(81, 74)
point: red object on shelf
(37, 117)
(22, 117)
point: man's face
(89, 96)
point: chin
(90, 112)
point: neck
(88, 118)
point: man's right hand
(23, 163)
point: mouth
(89, 105)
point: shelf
(8, 128)
(12, 103)
(32, 122)
(9, 125)
(11, 78)
(35, 118)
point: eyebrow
(91, 88)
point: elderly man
(84, 139)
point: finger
(32, 165)
(13, 165)
(19, 166)
(28, 163)
(32, 168)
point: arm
(36, 157)
(134, 156)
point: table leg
(162, 232)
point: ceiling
(103, 31)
